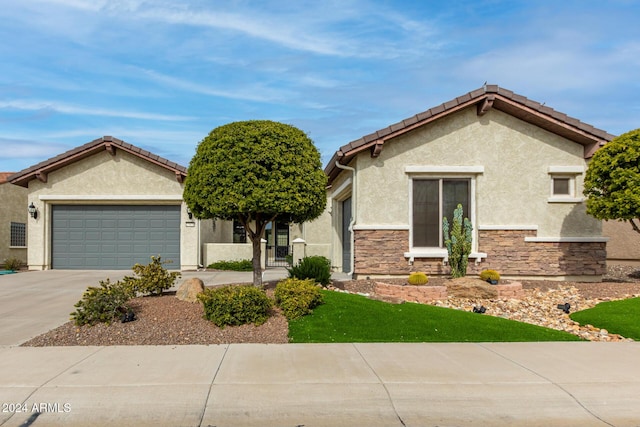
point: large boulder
(190, 289)
(467, 287)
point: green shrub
(12, 263)
(241, 265)
(297, 297)
(152, 278)
(317, 268)
(418, 278)
(488, 275)
(236, 305)
(103, 304)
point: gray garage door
(114, 237)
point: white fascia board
(566, 169)
(444, 169)
(380, 227)
(567, 239)
(109, 197)
(508, 227)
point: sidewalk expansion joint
(213, 380)
(38, 388)
(567, 392)
(384, 386)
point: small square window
(18, 234)
(562, 186)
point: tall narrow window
(18, 234)
(434, 199)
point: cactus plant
(418, 278)
(458, 242)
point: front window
(18, 234)
(434, 199)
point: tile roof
(108, 143)
(484, 98)
(4, 176)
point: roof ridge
(24, 176)
(521, 107)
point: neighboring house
(517, 167)
(108, 205)
(623, 246)
(13, 220)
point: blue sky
(162, 74)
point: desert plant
(152, 278)
(458, 242)
(490, 275)
(237, 265)
(297, 297)
(418, 278)
(236, 305)
(317, 268)
(103, 304)
(12, 263)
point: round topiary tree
(612, 181)
(256, 172)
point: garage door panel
(113, 237)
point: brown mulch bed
(165, 320)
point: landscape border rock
(190, 289)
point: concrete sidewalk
(517, 384)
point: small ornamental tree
(256, 172)
(612, 181)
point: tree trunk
(257, 255)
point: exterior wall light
(189, 213)
(33, 211)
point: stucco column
(263, 253)
(299, 246)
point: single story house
(13, 220)
(516, 166)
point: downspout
(353, 214)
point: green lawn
(618, 317)
(354, 318)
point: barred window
(18, 234)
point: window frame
(569, 173)
(13, 234)
(469, 174)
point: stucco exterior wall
(13, 208)
(511, 165)
(107, 179)
(513, 189)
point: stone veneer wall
(508, 253)
(381, 252)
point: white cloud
(64, 108)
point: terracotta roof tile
(503, 99)
(23, 177)
(4, 176)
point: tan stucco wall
(624, 243)
(513, 189)
(13, 208)
(106, 179)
